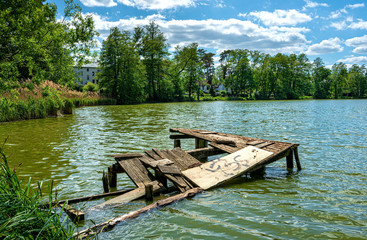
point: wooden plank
(123, 156)
(171, 169)
(129, 196)
(136, 171)
(224, 147)
(153, 155)
(108, 225)
(159, 162)
(214, 173)
(265, 144)
(189, 160)
(204, 152)
(255, 142)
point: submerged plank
(130, 196)
(215, 172)
(110, 224)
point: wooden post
(149, 192)
(200, 143)
(177, 143)
(295, 150)
(161, 178)
(112, 177)
(105, 182)
(290, 159)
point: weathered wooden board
(137, 172)
(130, 196)
(215, 172)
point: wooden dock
(187, 170)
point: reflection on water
(327, 199)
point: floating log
(110, 224)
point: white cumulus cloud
(157, 4)
(358, 25)
(359, 44)
(311, 4)
(354, 60)
(281, 17)
(98, 3)
(217, 34)
(332, 45)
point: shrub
(90, 87)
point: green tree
(338, 76)
(153, 48)
(357, 80)
(35, 45)
(122, 72)
(321, 79)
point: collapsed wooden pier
(189, 172)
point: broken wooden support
(110, 224)
(130, 196)
(149, 193)
(200, 143)
(74, 214)
(177, 143)
(289, 159)
(203, 153)
(295, 150)
(105, 182)
(112, 177)
(180, 136)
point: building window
(87, 69)
(93, 81)
(97, 81)
(93, 74)
(87, 77)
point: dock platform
(190, 171)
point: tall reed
(20, 214)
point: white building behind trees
(87, 73)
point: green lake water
(326, 200)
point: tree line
(137, 66)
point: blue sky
(333, 30)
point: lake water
(326, 200)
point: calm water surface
(326, 200)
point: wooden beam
(176, 136)
(130, 196)
(112, 177)
(124, 156)
(110, 224)
(205, 152)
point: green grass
(20, 214)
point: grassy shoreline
(20, 214)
